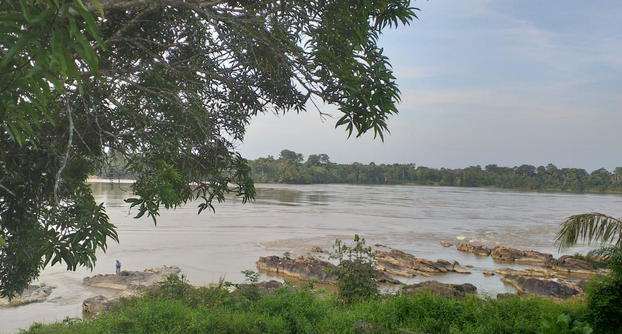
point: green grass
(176, 307)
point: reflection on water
(292, 197)
(294, 218)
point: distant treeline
(290, 167)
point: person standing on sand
(118, 267)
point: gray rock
(521, 256)
(306, 268)
(458, 291)
(393, 269)
(95, 305)
(269, 286)
(300, 268)
(459, 269)
(385, 278)
(477, 250)
(568, 265)
(317, 249)
(543, 287)
(403, 264)
(446, 243)
(528, 272)
(32, 294)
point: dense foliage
(163, 90)
(290, 167)
(604, 303)
(179, 308)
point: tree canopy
(289, 168)
(168, 87)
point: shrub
(173, 287)
(604, 304)
(564, 325)
(356, 272)
(250, 289)
(603, 294)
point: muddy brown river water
(294, 218)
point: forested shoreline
(291, 168)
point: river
(294, 218)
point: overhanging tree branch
(169, 87)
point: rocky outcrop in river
(128, 282)
(477, 250)
(131, 280)
(307, 268)
(548, 280)
(94, 305)
(527, 272)
(394, 262)
(521, 256)
(543, 287)
(302, 268)
(508, 254)
(568, 265)
(400, 263)
(458, 291)
(32, 294)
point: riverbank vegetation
(176, 307)
(290, 167)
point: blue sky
(485, 82)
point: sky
(484, 82)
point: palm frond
(590, 227)
(606, 252)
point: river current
(294, 218)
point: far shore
(98, 179)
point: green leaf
(21, 43)
(43, 16)
(26, 10)
(80, 4)
(13, 17)
(9, 29)
(99, 7)
(87, 53)
(91, 25)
